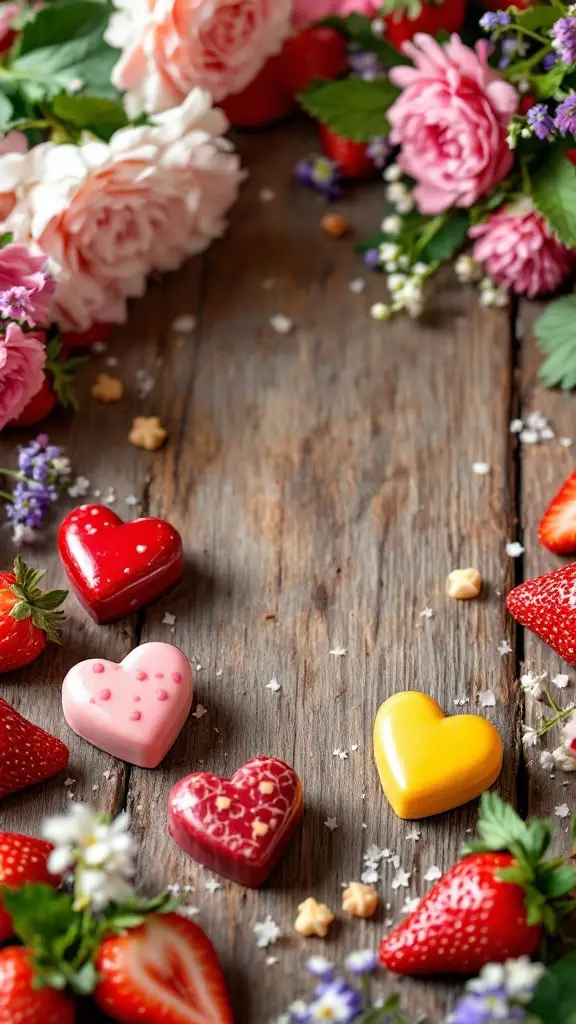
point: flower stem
(13, 473)
(6, 497)
(554, 721)
(555, 707)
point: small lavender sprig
(43, 473)
(501, 992)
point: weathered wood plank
(323, 484)
(544, 467)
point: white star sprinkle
(168, 619)
(514, 549)
(357, 286)
(343, 755)
(200, 711)
(339, 652)
(504, 648)
(427, 613)
(369, 876)
(562, 811)
(401, 878)
(414, 834)
(481, 468)
(212, 885)
(80, 487)
(271, 960)
(267, 932)
(487, 699)
(433, 874)
(331, 824)
(273, 685)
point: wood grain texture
(544, 468)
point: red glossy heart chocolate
(115, 567)
(241, 826)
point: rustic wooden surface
(323, 484)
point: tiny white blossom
(414, 834)
(380, 311)
(369, 876)
(433, 874)
(481, 468)
(487, 699)
(331, 824)
(560, 680)
(547, 759)
(392, 173)
(212, 885)
(401, 878)
(267, 932)
(357, 286)
(562, 811)
(516, 426)
(389, 251)
(467, 269)
(281, 324)
(529, 437)
(532, 684)
(514, 549)
(564, 760)
(80, 487)
(529, 736)
(392, 225)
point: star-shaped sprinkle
(427, 613)
(562, 811)
(267, 932)
(69, 782)
(343, 755)
(354, 746)
(331, 824)
(168, 619)
(212, 885)
(369, 876)
(401, 878)
(433, 874)
(487, 699)
(514, 549)
(200, 711)
(414, 834)
(481, 468)
(339, 652)
(273, 685)
(504, 648)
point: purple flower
(511, 47)
(366, 66)
(320, 967)
(564, 39)
(379, 151)
(473, 1009)
(337, 997)
(540, 120)
(565, 119)
(500, 993)
(43, 472)
(320, 173)
(26, 282)
(549, 61)
(362, 962)
(492, 20)
(372, 259)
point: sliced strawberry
(351, 157)
(21, 1002)
(557, 530)
(165, 970)
(547, 607)
(27, 753)
(22, 859)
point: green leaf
(358, 29)
(62, 22)
(352, 107)
(6, 113)
(448, 239)
(541, 16)
(554, 195)
(554, 1001)
(556, 337)
(90, 113)
(499, 825)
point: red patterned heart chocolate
(115, 567)
(241, 826)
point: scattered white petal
(343, 755)
(80, 487)
(281, 324)
(373, 854)
(212, 885)
(184, 324)
(504, 648)
(433, 874)
(414, 834)
(562, 811)
(339, 652)
(271, 960)
(267, 195)
(410, 904)
(369, 876)
(168, 619)
(565, 442)
(357, 286)
(547, 759)
(267, 932)
(487, 699)
(69, 782)
(401, 878)
(188, 911)
(529, 736)
(561, 680)
(274, 685)
(107, 773)
(200, 711)
(395, 861)
(132, 501)
(529, 437)
(331, 824)
(514, 549)
(354, 746)
(516, 427)
(428, 613)
(481, 468)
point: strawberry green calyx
(410, 9)
(549, 885)
(62, 372)
(43, 607)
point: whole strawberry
(22, 859)
(29, 617)
(351, 157)
(20, 1001)
(493, 905)
(547, 607)
(27, 753)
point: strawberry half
(22, 859)
(29, 617)
(493, 905)
(164, 970)
(20, 1001)
(557, 530)
(27, 753)
(547, 607)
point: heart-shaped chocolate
(429, 763)
(241, 826)
(117, 567)
(134, 710)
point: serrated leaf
(560, 882)
(21, 611)
(554, 195)
(352, 107)
(556, 337)
(498, 824)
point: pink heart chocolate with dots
(134, 710)
(115, 567)
(241, 826)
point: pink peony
(172, 46)
(26, 286)
(106, 215)
(307, 11)
(22, 358)
(519, 251)
(451, 122)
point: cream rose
(108, 214)
(172, 46)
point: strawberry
(352, 157)
(29, 617)
(39, 407)
(164, 970)
(22, 1003)
(83, 339)
(57, 386)
(407, 17)
(312, 53)
(557, 530)
(27, 753)
(494, 904)
(265, 100)
(22, 859)
(547, 607)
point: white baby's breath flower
(564, 760)
(392, 173)
(532, 684)
(392, 225)
(467, 269)
(529, 736)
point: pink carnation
(22, 358)
(26, 287)
(172, 46)
(519, 251)
(307, 11)
(451, 122)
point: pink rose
(26, 287)
(107, 214)
(451, 122)
(22, 358)
(172, 46)
(307, 11)
(519, 251)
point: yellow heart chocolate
(429, 763)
